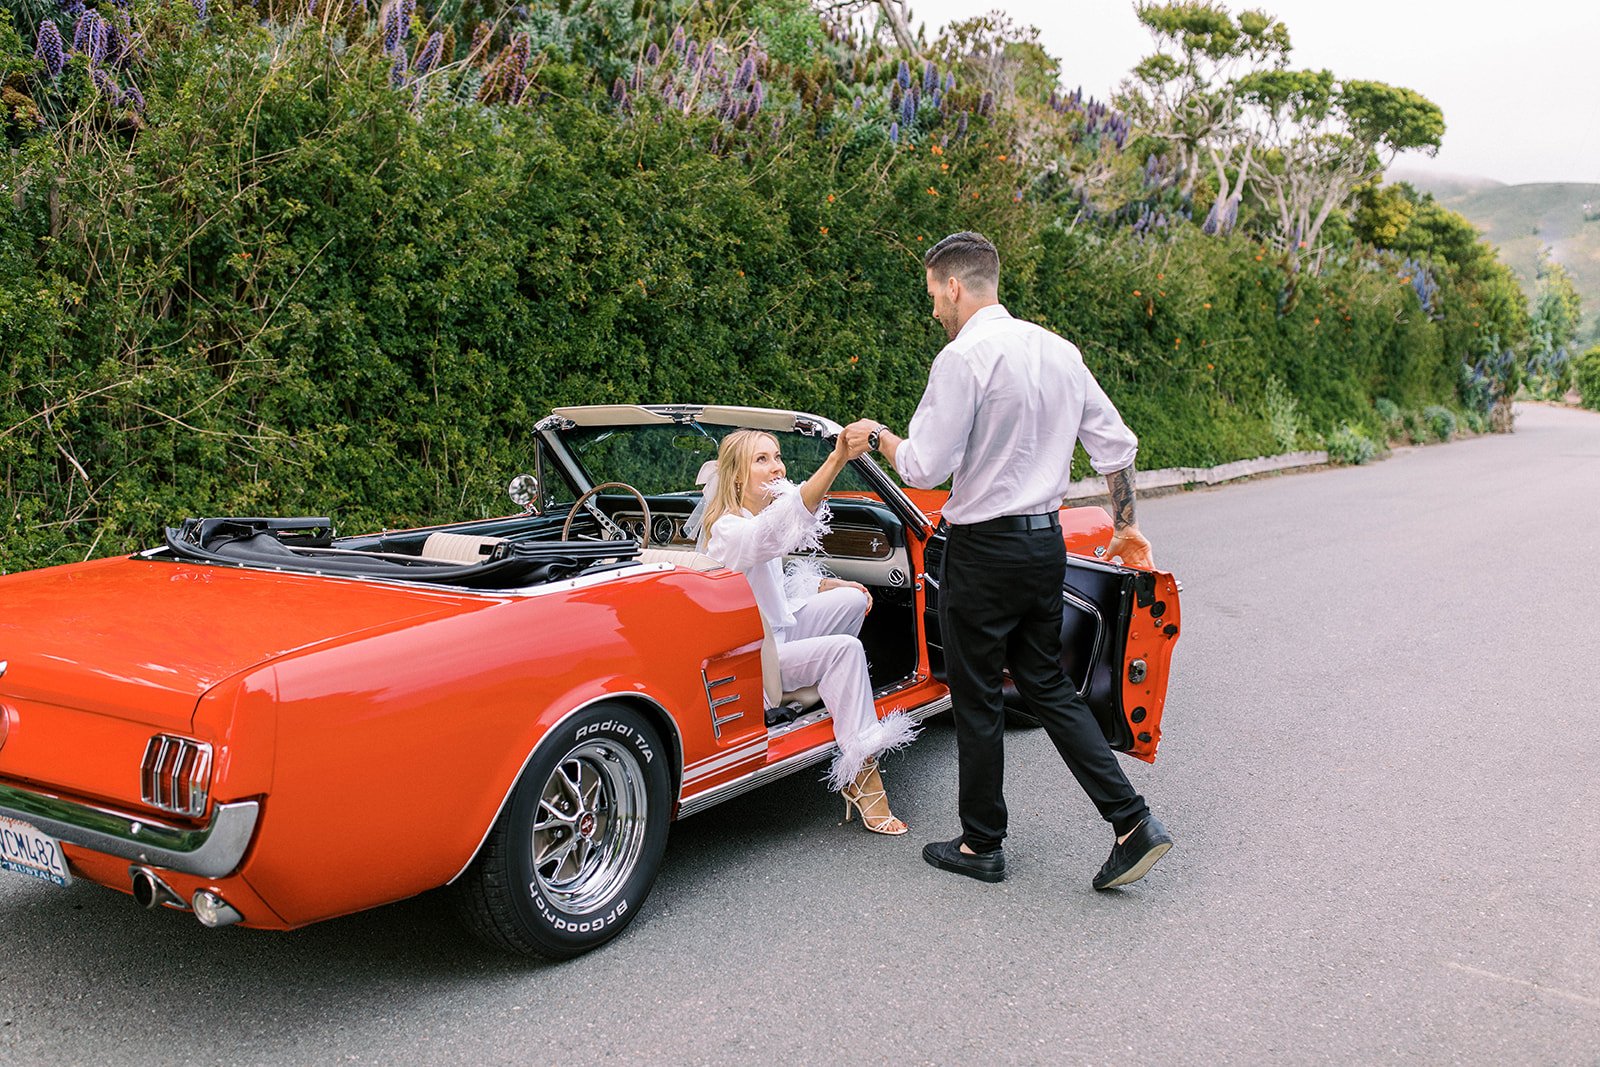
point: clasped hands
(852, 440)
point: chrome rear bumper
(211, 851)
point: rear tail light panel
(175, 775)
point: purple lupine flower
(690, 53)
(99, 41)
(429, 54)
(986, 103)
(107, 87)
(652, 55)
(961, 125)
(930, 77)
(758, 96)
(747, 71)
(678, 40)
(636, 79)
(519, 85)
(50, 48)
(408, 8)
(908, 110)
(937, 99)
(480, 37)
(392, 30)
(135, 97)
(894, 133)
(708, 58)
(856, 105)
(80, 30)
(397, 71)
(311, 7)
(618, 90)
(895, 96)
(950, 81)
(904, 75)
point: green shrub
(1440, 422)
(1350, 446)
(1476, 421)
(1586, 378)
(1388, 411)
(1282, 415)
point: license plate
(25, 850)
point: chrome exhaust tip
(212, 910)
(151, 892)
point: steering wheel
(612, 531)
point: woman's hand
(843, 450)
(839, 583)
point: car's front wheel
(572, 857)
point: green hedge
(286, 289)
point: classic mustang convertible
(515, 707)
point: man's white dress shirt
(1006, 402)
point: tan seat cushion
(679, 557)
(459, 548)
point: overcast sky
(1518, 81)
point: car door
(1118, 628)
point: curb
(1177, 477)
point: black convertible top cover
(305, 545)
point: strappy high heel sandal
(872, 803)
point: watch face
(872, 439)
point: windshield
(661, 460)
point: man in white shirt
(1006, 402)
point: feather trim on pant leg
(883, 735)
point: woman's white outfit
(816, 632)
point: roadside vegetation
(333, 257)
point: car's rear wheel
(574, 854)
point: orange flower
(944, 166)
(1137, 293)
(1210, 366)
(1176, 341)
(932, 191)
(975, 196)
(1001, 158)
(1207, 304)
(1316, 320)
(830, 198)
(936, 150)
(741, 274)
(855, 359)
(824, 230)
(919, 236)
(1160, 276)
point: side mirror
(524, 492)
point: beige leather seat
(459, 548)
(772, 677)
(679, 557)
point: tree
(1325, 139)
(1186, 93)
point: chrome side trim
(212, 851)
(719, 721)
(717, 764)
(677, 744)
(772, 772)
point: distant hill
(1520, 220)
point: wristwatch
(872, 438)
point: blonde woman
(750, 519)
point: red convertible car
(515, 707)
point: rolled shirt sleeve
(936, 440)
(1107, 439)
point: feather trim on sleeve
(801, 530)
(801, 578)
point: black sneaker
(1132, 859)
(984, 866)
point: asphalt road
(1380, 763)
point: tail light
(176, 775)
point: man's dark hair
(969, 256)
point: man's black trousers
(1000, 606)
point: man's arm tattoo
(1120, 485)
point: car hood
(142, 639)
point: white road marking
(1593, 1002)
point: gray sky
(1518, 82)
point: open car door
(1118, 629)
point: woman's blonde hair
(733, 467)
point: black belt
(1011, 523)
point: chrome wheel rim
(590, 825)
